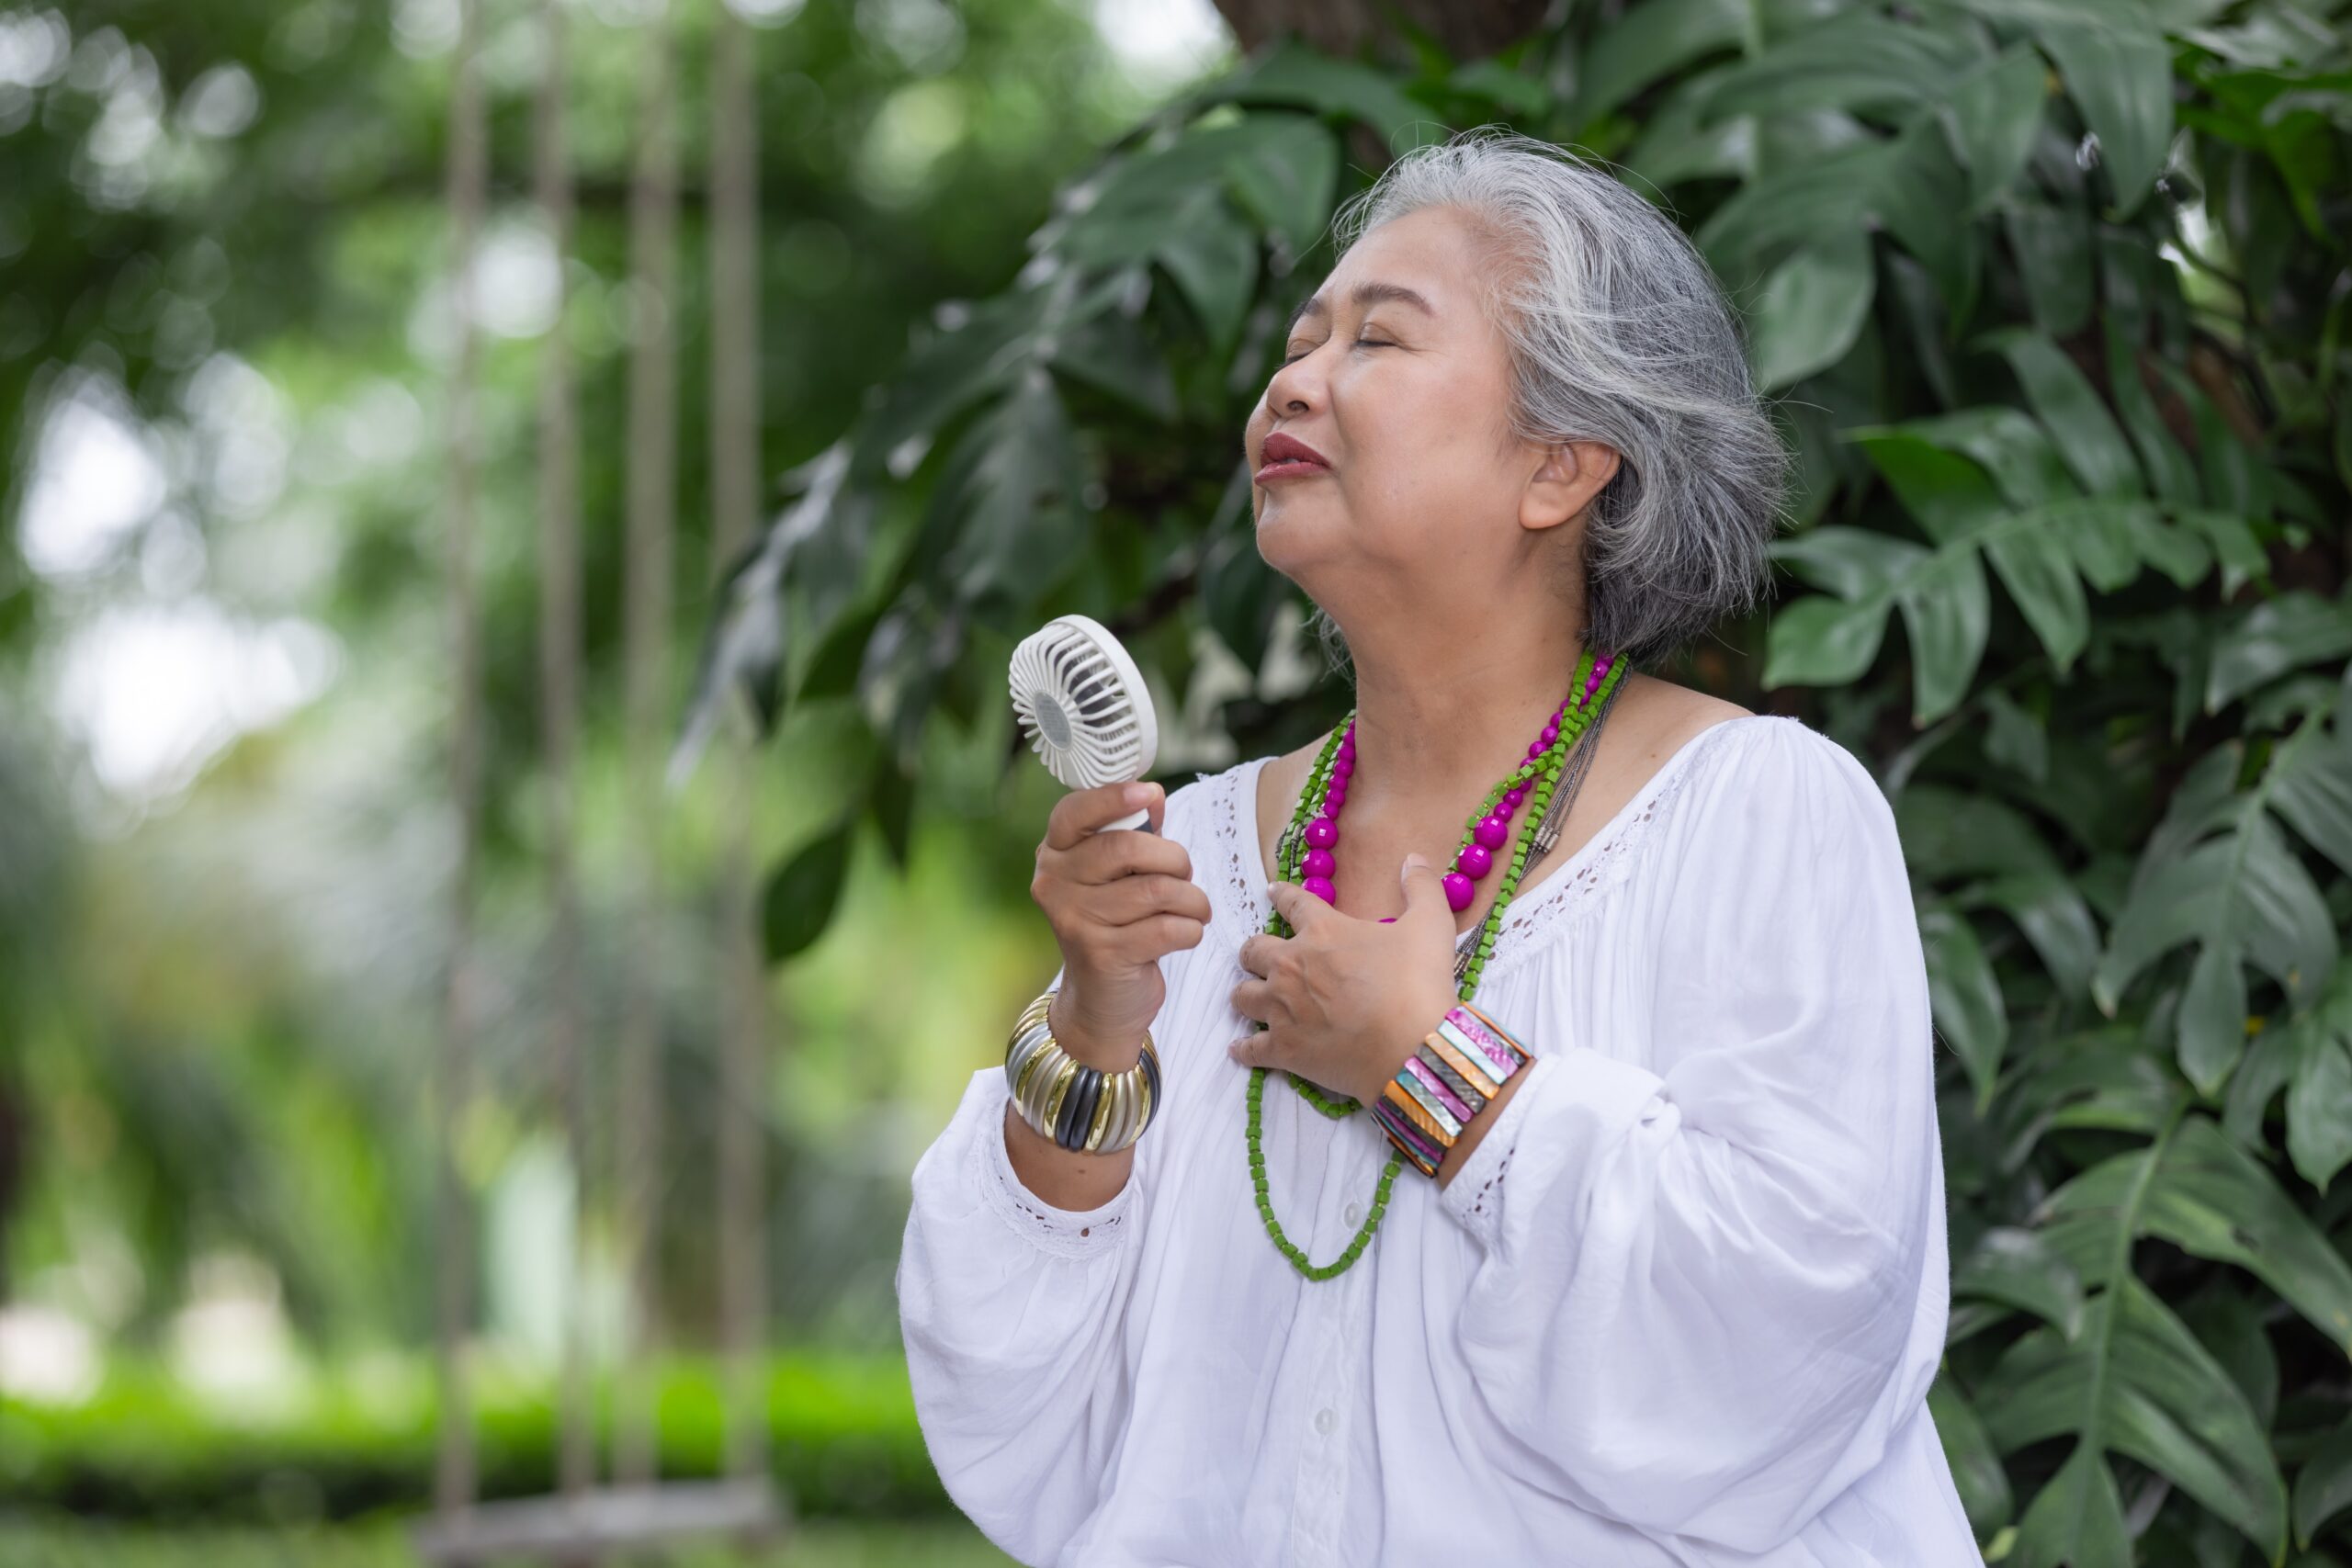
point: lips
(1287, 454)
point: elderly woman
(1476, 1137)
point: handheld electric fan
(1084, 706)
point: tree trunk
(652, 479)
(560, 659)
(735, 496)
(455, 1468)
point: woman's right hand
(1118, 903)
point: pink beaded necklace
(1532, 781)
(1474, 858)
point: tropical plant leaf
(1813, 308)
(1976, 1473)
(800, 896)
(1992, 115)
(1965, 997)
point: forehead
(1434, 253)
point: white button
(1354, 1215)
(1323, 1419)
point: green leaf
(2236, 477)
(2004, 442)
(2053, 246)
(2316, 1049)
(1282, 170)
(1214, 259)
(1513, 92)
(1992, 116)
(990, 346)
(1821, 641)
(1650, 42)
(2018, 1267)
(2181, 554)
(2049, 909)
(1014, 483)
(1290, 72)
(802, 893)
(1110, 350)
(2102, 1081)
(2324, 1486)
(2241, 555)
(1834, 194)
(1946, 612)
(2067, 404)
(2137, 1382)
(2244, 891)
(1965, 997)
(2275, 636)
(1922, 200)
(1677, 145)
(2212, 1198)
(2319, 1109)
(1856, 59)
(2210, 1025)
(1948, 833)
(1976, 1470)
(2120, 77)
(2310, 787)
(2013, 738)
(2076, 1519)
(1812, 309)
(2170, 474)
(1850, 563)
(2037, 567)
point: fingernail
(1139, 794)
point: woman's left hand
(1346, 1000)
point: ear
(1571, 474)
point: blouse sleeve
(1710, 1294)
(1011, 1311)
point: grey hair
(1618, 332)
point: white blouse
(1681, 1306)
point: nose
(1295, 389)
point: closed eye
(1359, 342)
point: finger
(1107, 857)
(1133, 898)
(1257, 954)
(1296, 905)
(1255, 998)
(1261, 1049)
(1424, 888)
(1085, 811)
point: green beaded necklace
(1291, 850)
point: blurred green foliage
(146, 1446)
(222, 248)
(56, 1543)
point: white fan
(1084, 706)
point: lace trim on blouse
(1062, 1232)
(1560, 902)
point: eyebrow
(1365, 295)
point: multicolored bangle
(1456, 1074)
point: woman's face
(1394, 376)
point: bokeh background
(512, 839)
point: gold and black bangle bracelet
(1082, 1109)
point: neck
(1442, 717)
